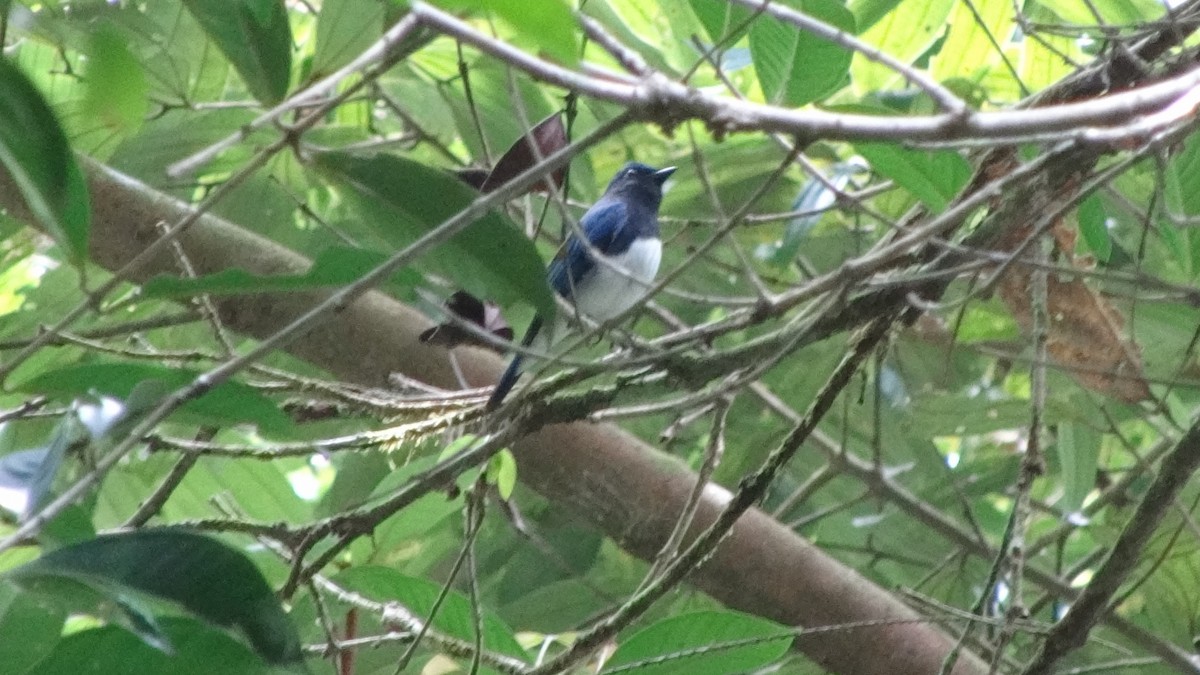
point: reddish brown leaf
(483, 314)
(1086, 333)
(548, 137)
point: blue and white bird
(623, 227)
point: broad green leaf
(344, 29)
(1078, 447)
(201, 574)
(1093, 225)
(795, 67)
(225, 403)
(199, 649)
(546, 24)
(702, 643)
(933, 177)
(491, 258)
(335, 266)
(116, 88)
(454, 618)
(35, 153)
(721, 19)
(256, 38)
(970, 48)
(30, 628)
(906, 34)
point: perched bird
(623, 227)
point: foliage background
(1000, 426)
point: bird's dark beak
(662, 175)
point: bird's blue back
(622, 226)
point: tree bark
(604, 475)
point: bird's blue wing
(604, 225)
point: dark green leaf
(454, 618)
(35, 152)
(794, 66)
(335, 266)
(199, 649)
(932, 177)
(256, 38)
(491, 258)
(702, 643)
(720, 18)
(224, 403)
(203, 575)
(1093, 225)
(30, 628)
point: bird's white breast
(605, 292)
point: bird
(622, 226)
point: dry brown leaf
(1086, 333)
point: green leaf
(868, 12)
(30, 628)
(933, 177)
(1093, 225)
(256, 38)
(454, 618)
(117, 94)
(1078, 449)
(198, 648)
(546, 24)
(815, 196)
(906, 34)
(225, 403)
(702, 643)
(35, 152)
(491, 258)
(335, 266)
(344, 29)
(502, 472)
(203, 575)
(794, 66)
(720, 18)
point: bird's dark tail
(509, 379)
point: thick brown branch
(603, 474)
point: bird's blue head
(640, 182)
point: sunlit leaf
(117, 90)
(796, 67)
(548, 24)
